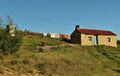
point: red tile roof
(96, 32)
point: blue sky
(61, 16)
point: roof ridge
(94, 29)
(96, 32)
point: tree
(9, 20)
(1, 23)
(9, 44)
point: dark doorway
(95, 40)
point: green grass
(30, 44)
(107, 56)
(62, 60)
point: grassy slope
(64, 60)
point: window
(90, 38)
(108, 39)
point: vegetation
(64, 59)
(27, 32)
(118, 42)
(9, 44)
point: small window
(90, 38)
(108, 39)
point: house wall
(11, 29)
(53, 35)
(75, 37)
(63, 36)
(85, 39)
(57, 36)
(103, 40)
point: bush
(9, 44)
(118, 42)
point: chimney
(77, 27)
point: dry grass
(61, 60)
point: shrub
(118, 42)
(10, 37)
(9, 44)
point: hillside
(60, 59)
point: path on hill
(47, 48)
